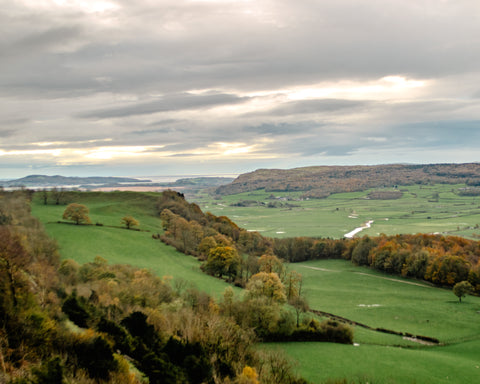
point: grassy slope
(118, 245)
(417, 211)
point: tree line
(441, 260)
(246, 259)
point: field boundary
(424, 340)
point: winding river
(349, 235)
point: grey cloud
(277, 129)
(438, 133)
(171, 103)
(53, 38)
(6, 132)
(312, 106)
(186, 154)
(166, 122)
(312, 145)
(297, 42)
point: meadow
(333, 286)
(118, 245)
(394, 303)
(421, 209)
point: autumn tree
(271, 263)
(13, 261)
(223, 261)
(293, 284)
(461, 289)
(130, 222)
(77, 213)
(268, 285)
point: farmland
(393, 303)
(421, 209)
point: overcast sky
(165, 87)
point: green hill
(108, 239)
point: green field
(421, 209)
(118, 245)
(333, 286)
(390, 302)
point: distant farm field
(421, 209)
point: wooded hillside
(62, 322)
(321, 181)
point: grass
(377, 300)
(422, 209)
(382, 301)
(118, 245)
(321, 362)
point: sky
(195, 87)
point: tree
(461, 289)
(77, 213)
(129, 222)
(45, 196)
(301, 306)
(268, 285)
(223, 261)
(361, 251)
(58, 195)
(293, 285)
(271, 263)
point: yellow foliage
(125, 373)
(249, 376)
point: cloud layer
(211, 86)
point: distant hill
(203, 182)
(321, 181)
(90, 183)
(57, 181)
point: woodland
(322, 181)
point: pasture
(389, 302)
(421, 209)
(118, 245)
